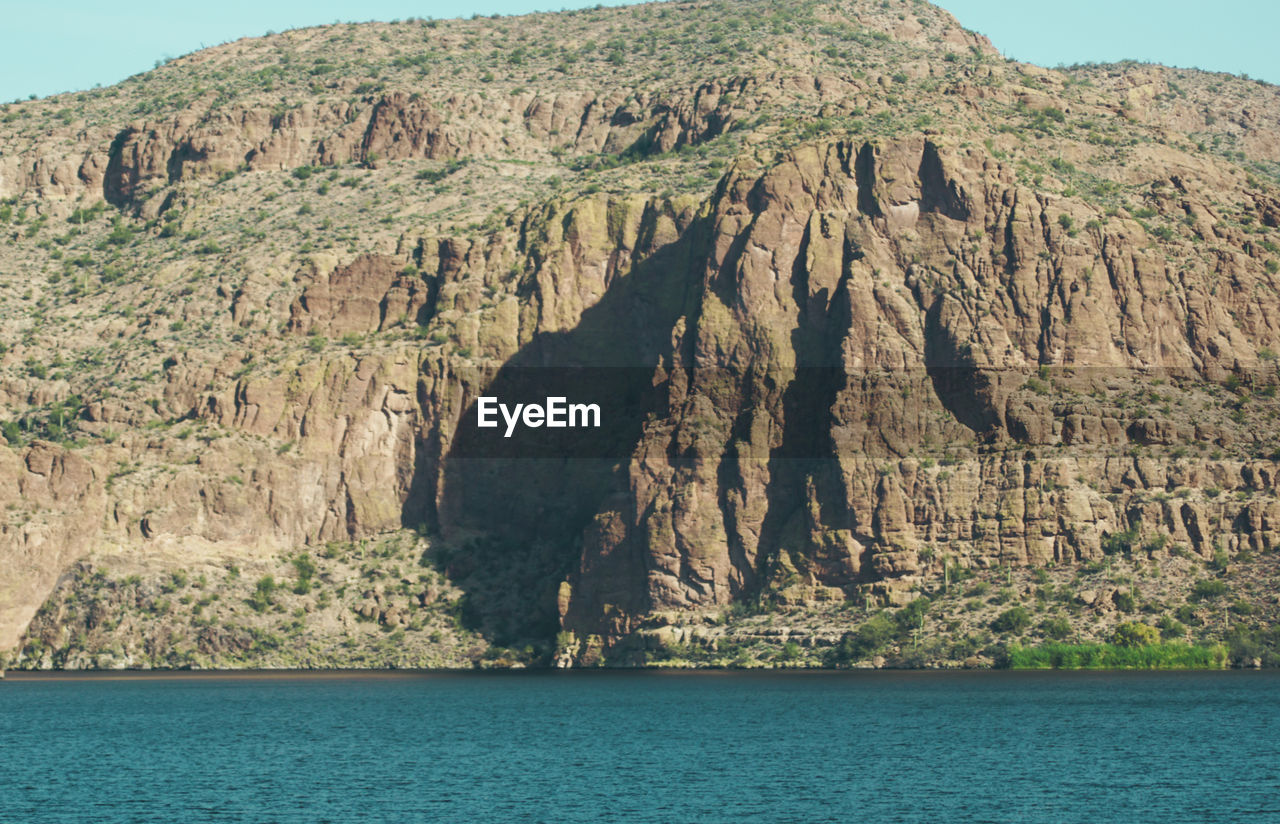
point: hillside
(907, 353)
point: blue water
(645, 747)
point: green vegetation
(1116, 656)
(306, 570)
(1250, 646)
(289, 614)
(1209, 588)
(1133, 634)
(1014, 620)
(1056, 628)
(1120, 543)
(263, 593)
(437, 175)
(877, 632)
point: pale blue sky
(63, 45)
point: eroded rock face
(124, 166)
(869, 354)
(846, 345)
(835, 352)
(367, 295)
(64, 496)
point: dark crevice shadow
(960, 386)
(510, 513)
(116, 190)
(937, 194)
(864, 168)
(805, 460)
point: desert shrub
(1207, 588)
(1135, 634)
(1247, 644)
(263, 594)
(436, 175)
(1170, 628)
(306, 570)
(1187, 615)
(121, 234)
(874, 633)
(1120, 542)
(1014, 619)
(1056, 628)
(910, 616)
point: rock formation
(869, 308)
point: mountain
(905, 353)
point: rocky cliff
(870, 311)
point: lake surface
(644, 747)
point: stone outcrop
(55, 503)
(367, 295)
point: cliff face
(883, 351)
(913, 313)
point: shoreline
(532, 672)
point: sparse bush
(121, 234)
(874, 633)
(1014, 620)
(1120, 542)
(911, 616)
(306, 570)
(1207, 588)
(263, 594)
(1056, 628)
(1135, 634)
(1170, 628)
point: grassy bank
(1115, 656)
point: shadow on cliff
(804, 493)
(963, 389)
(509, 512)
